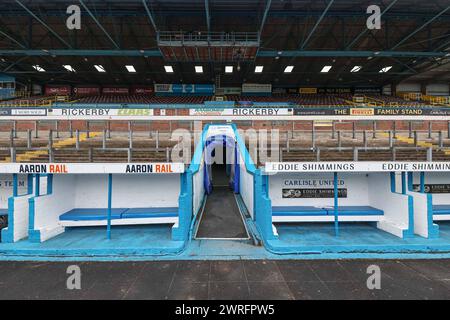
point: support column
(336, 204)
(108, 227)
(422, 182)
(403, 182)
(15, 185)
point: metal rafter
(264, 18)
(261, 53)
(44, 24)
(208, 17)
(12, 39)
(14, 64)
(99, 24)
(316, 25)
(366, 29)
(149, 14)
(420, 28)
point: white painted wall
(20, 223)
(394, 205)
(91, 191)
(6, 188)
(246, 186)
(129, 191)
(408, 87)
(438, 89)
(48, 208)
(421, 221)
(198, 187)
(362, 190)
(436, 178)
(143, 191)
(214, 130)
(356, 184)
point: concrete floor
(221, 210)
(236, 280)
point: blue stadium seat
(3, 212)
(298, 211)
(356, 211)
(91, 214)
(136, 213)
(441, 209)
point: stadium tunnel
(220, 201)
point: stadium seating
(96, 214)
(441, 209)
(323, 211)
(306, 100)
(137, 99)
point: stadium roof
(414, 39)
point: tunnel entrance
(221, 217)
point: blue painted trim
(393, 184)
(403, 182)
(37, 187)
(8, 233)
(49, 184)
(422, 182)
(409, 233)
(108, 227)
(33, 235)
(249, 164)
(186, 199)
(198, 153)
(185, 205)
(29, 183)
(336, 204)
(433, 229)
(263, 207)
(15, 185)
(410, 181)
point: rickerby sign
(241, 112)
(100, 112)
(276, 167)
(91, 168)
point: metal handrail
(13, 151)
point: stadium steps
(37, 154)
(423, 144)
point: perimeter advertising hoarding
(100, 112)
(206, 89)
(348, 111)
(24, 112)
(269, 112)
(275, 167)
(92, 168)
